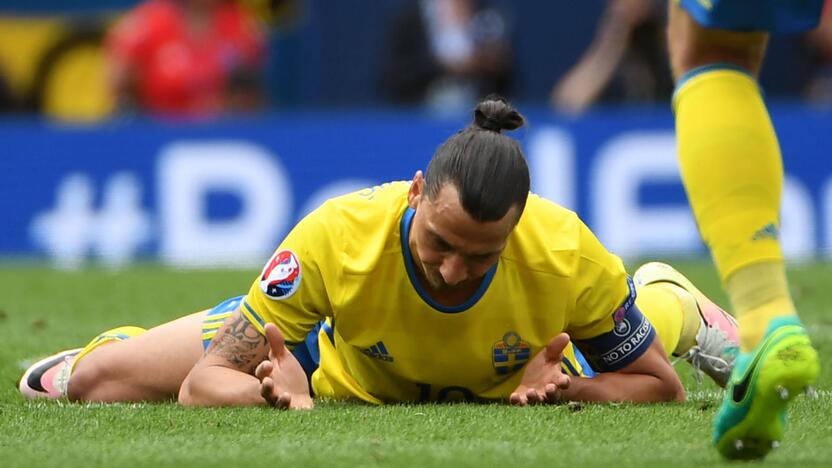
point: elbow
(672, 389)
(185, 400)
(190, 394)
(185, 397)
(677, 395)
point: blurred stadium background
(345, 94)
(86, 180)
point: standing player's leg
(731, 167)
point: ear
(417, 187)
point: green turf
(42, 311)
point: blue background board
(349, 149)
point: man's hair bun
(495, 113)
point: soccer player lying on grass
(459, 285)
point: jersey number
(453, 393)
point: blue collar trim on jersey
(407, 218)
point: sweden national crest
(510, 354)
(281, 276)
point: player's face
(451, 249)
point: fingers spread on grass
(263, 370)
(533, 396)
(551, 393)
(563, 381)
(267, 390)
(284, 401)
(518, 398)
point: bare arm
(225, 374)
(585, 81)
(650, 378)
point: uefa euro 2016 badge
(510, 354)
(621, 326)
(281, 276)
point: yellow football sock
(731, 167)
(730, 164)
(109, 336)
(758, 292)
(673, 313)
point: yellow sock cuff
(109, 336)
(673, 313)
(691, 320)
(710, 73)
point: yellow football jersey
(386, 340)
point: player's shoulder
(546, 239)
(542, 212)
(369, 205)
(375, 195)
(548, 225)
(366, 221)
(552, 238)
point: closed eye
(440, 243)
(482, 257)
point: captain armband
(630, 337)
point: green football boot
(751, 420)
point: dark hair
(486, 167)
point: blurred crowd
(187, 57)
(204, 58)
(446, 53)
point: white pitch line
(717, 394)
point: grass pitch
(43, 311)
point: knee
(87, 376)
(691, 46)
(686, 55)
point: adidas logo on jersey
(769, 231)
(378, 351)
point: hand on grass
(283, 382)
(543, 380)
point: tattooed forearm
(241, 344)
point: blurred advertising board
(223, 193)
